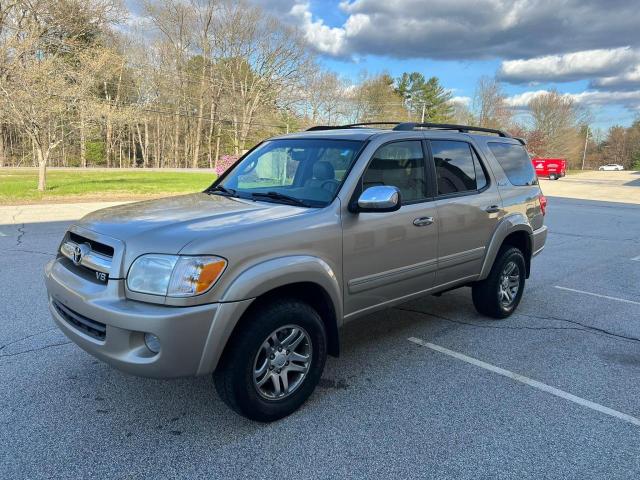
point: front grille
(98, 247)
(88, 256)
(90, 327)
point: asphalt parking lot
(428, 389)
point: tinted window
(400, 164)
(515, 162)
(310, 170)
(457, 167)
(340, 159)
(481, 176)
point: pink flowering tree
(224, 163)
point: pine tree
(428, 96)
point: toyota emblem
(80, 251)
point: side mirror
(383, 198)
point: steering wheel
(333, 184)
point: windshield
(306, 172)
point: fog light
(152, 342)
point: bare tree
(376, 99)
(260, 59)
(39, 86)
(323, 97)
(489, 104)
(558, 118)
(175, 21)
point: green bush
(96, 153)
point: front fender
(265, 276)
(512, 223)
(258, 280)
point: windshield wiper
(219, 189)
(282, 197)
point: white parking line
(597, 295)
(529, 381)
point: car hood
(167, 225)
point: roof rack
(449, 126)
(351, 125)
(406, 126)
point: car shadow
(633, 183)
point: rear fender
(512, 223)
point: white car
(611, 167)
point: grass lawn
(20, 186)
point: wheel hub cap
(509, 284)
(279, 360)
(282, 362)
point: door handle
(492, 209)
(423, 221)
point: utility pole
(584, 152)
(424, 105)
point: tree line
(206, 78)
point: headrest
(323, 171)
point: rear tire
(498, 296)
(553, 176)
(268, 339)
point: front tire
(273, 364)
(499, 294)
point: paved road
(594, 185)
(388, 408)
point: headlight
(174, 275)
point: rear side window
(515, 162)
(458, 169)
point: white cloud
(590, 98)
(629, 80)
(461, 100)
(325, 39)
(472, 29)
(568, 67)
(598, 98)
(522, 100)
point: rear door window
(515, 162)
(458, 168)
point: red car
(554, 168)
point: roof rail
(405, 126)
(351, 125)
(448, 126)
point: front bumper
(191, 338)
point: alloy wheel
(509, 284)
(282, 362)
